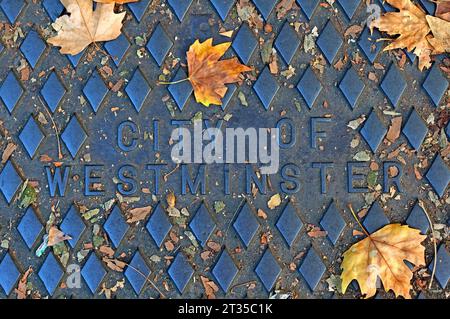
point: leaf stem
(60, 154)
(146, 279)
(357, 219)
(422, 205)
(175, 82)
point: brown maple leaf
(85, 26)
(382, 254)
(443, 9)
(441, 32)
(208, 75)
(411, 26)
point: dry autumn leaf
(10, 148)
(85, 26)
(441, 31)
(210, 287)
(138, 214)
(410, 24)
(443, 9)
(114, 264)
(274, 201)
(171, 199)
(21, 289)
(208, 75)
(382, 254)
(55, 236)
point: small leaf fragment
(274, 201)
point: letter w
(57, 181)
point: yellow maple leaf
(382, 255)
(208, 75)
(85, 26)
(411, 26)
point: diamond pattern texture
(139, 8)
(227, 246)
(265, 7)
(53, 91)
(417, 219)
(158, 225)
(181, 272)
(369, 44)
(9, 274)
(312, 269)
(180, 7)
(435, 84)
(373, 131)
(352, 87)
(73, 226)
(31, 136)
(12, 8)
(439, 175)
(349, 7)
(181, 91)
(74, 136)
(54, 8)
(289, 224)
(266, 87)
(30, 227)
(9, 181)
(93, 272)
(202, 225)
(329, 41)
(375, 218)
(117, 48)
(225, 270)
(246, 224)
(309, 87)
(116, 227)
(95, 90)
(245, 43)
(308, 7)
(268, 270)
(138, 89)
(442, 266)
(415, 130)
(287, 42)
(393, 85)
(10, 91)
(333, 223)
(137, 272)
(32, 48)
(159, 44)
(51, 273)
(223, 7)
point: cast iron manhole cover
(357, 125)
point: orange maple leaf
(208, 75)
